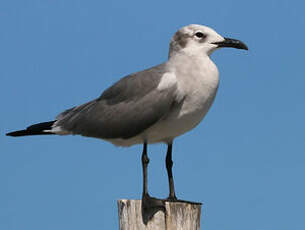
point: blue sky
(245, 162)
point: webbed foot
(150, 206)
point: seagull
(151, 106)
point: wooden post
(177, 216)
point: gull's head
(196, 40)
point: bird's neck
(186, 60)
(199, 69)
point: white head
(200, 40)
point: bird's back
(123, 111)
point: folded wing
(125, 110)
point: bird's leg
(145, 161)
(169, 165)
(150, 205)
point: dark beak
(229, 42)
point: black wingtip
(36, 129)
(25, 132)
(17, 133)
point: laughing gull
(154, 105)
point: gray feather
(126, 109)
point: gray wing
(126, 109)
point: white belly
(198, 93)
(181, 120)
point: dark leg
(145, 161)
(150, 205)
(169, 166)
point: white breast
(197, 85)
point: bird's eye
(200, 35)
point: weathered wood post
(177, 216)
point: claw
(171, 199)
